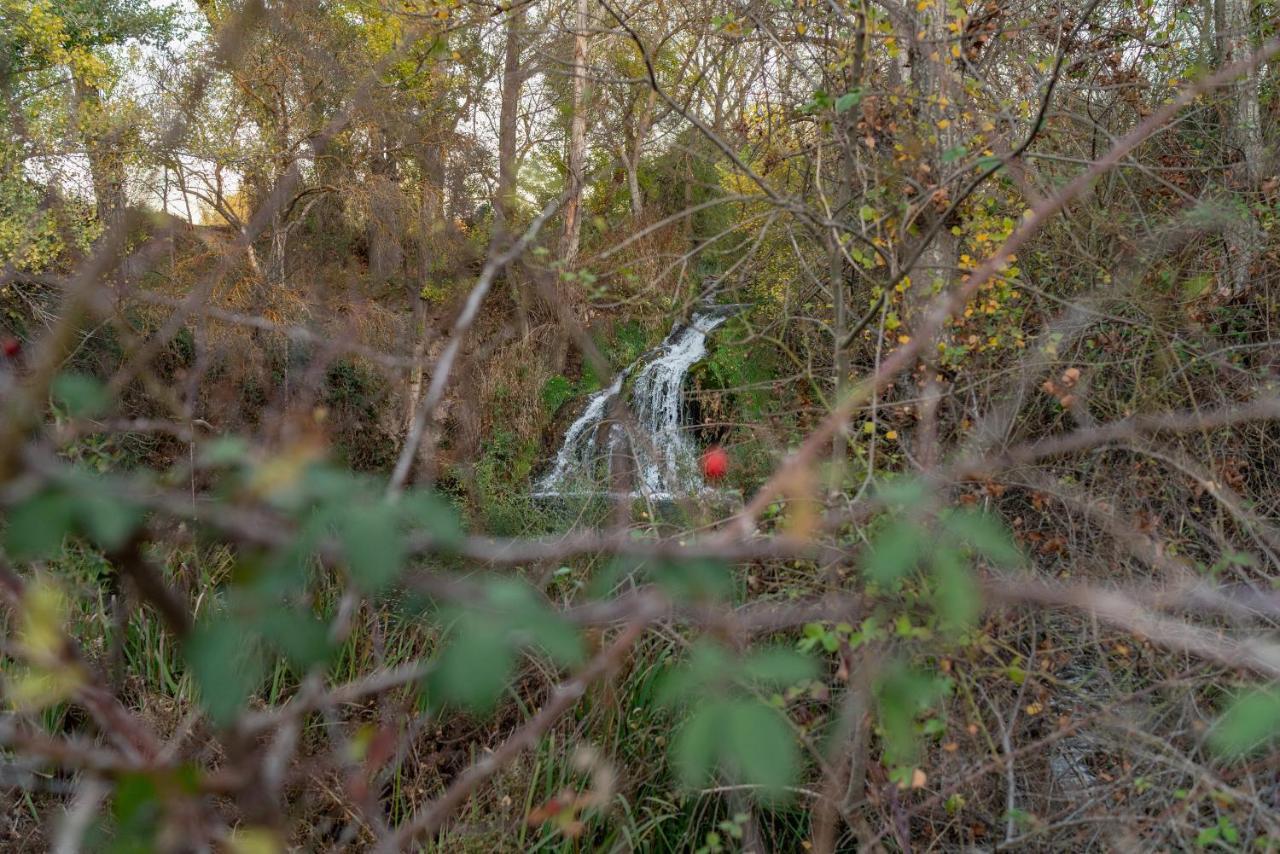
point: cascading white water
(664, 455)
(653, 437)
(579, 454)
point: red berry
(11, 347)
(715, 463)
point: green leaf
(867, 213)
(986, 534)
(473, 669)
(955, 593)
(224, 451)
(760, 747)
(707, 668)
(895, 552)
(697, 743)
(38, 526)
(848, 100)
(107, 519)
(694, 580)
(1250, 722)
(985, 163)
(373, 545)
(227, 664)
(779, 667)
(81, 395)
(302, 637)
(136, 810)
(951, 155)
(903, 694)
(517, 607)
(433, 514)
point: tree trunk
(577, 139)
(1244, 140)
(512, 81)
(383, 228)
(431, 227)
(845, 80)
(508, 168)
(934, 83)
(106, 165)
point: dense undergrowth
(269, 588)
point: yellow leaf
(44, 614)
(891, 435)
(254, 840)
(34, 689)
(944, 123)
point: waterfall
(653, 438)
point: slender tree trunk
(935, 86)
(383, 228)
(512, 81)
(577, 139)
(1245, 145)
(504, 204)
(431, 226)
(632, 161)
(106, 167)
(844, 127)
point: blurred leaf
(434, 514)
(474, 667)
(254, 840)
(987, 535)
(903, 693)
(302, 637)
(697, 743)
(848, 100)
(373, 545)
(224, 451)
(517, 607)
(779, 667)
(30, 689)
(902, 491)
(895, 552)
(136, 811)
(1251, 721)
(38, 526)
(81, 395)
(227, 666)
(707, 668)
(42, 620)
(956, 596)
(694, 580)
(107, 519)
(760, 747)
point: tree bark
(577, 139)
(431, 227)
(106, 166)
(512, 82)
(508, 167)
(1243, 237)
